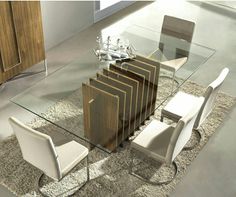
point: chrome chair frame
(42, 176)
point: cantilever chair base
(173, 66)
(72, 194)
(196, 143)
(151, 182)
(174, 80)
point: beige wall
(62, 19)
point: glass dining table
(58, 97)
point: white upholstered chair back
(37, 148)
(182, 132)
(210, 95)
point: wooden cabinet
(21, 37)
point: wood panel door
(9, 50)
(21, 37)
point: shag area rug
(108, 172)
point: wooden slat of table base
(101, 115)
(134, 84)
(147, 93)
(128, 90)
(141, 81)
(154, 75)
(122, 99)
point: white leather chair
(180, 104)
(38, 149)
(163, 142)
(179, 28)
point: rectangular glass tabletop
(58, 97)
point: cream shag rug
(108, 172)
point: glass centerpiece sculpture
(109, 50)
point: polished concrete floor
(213, 172)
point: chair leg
(196, 143)
(173, 83)
(39, 185)
(174, 80)
(2, 86)
(42, 175)
(46, 66)
(168, 77)
(87, 166)
(131, 162)
(148, 181)
(162, 118)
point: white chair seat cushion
(174, 65)
(179, 106)
(153, 141)
(70, 154)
